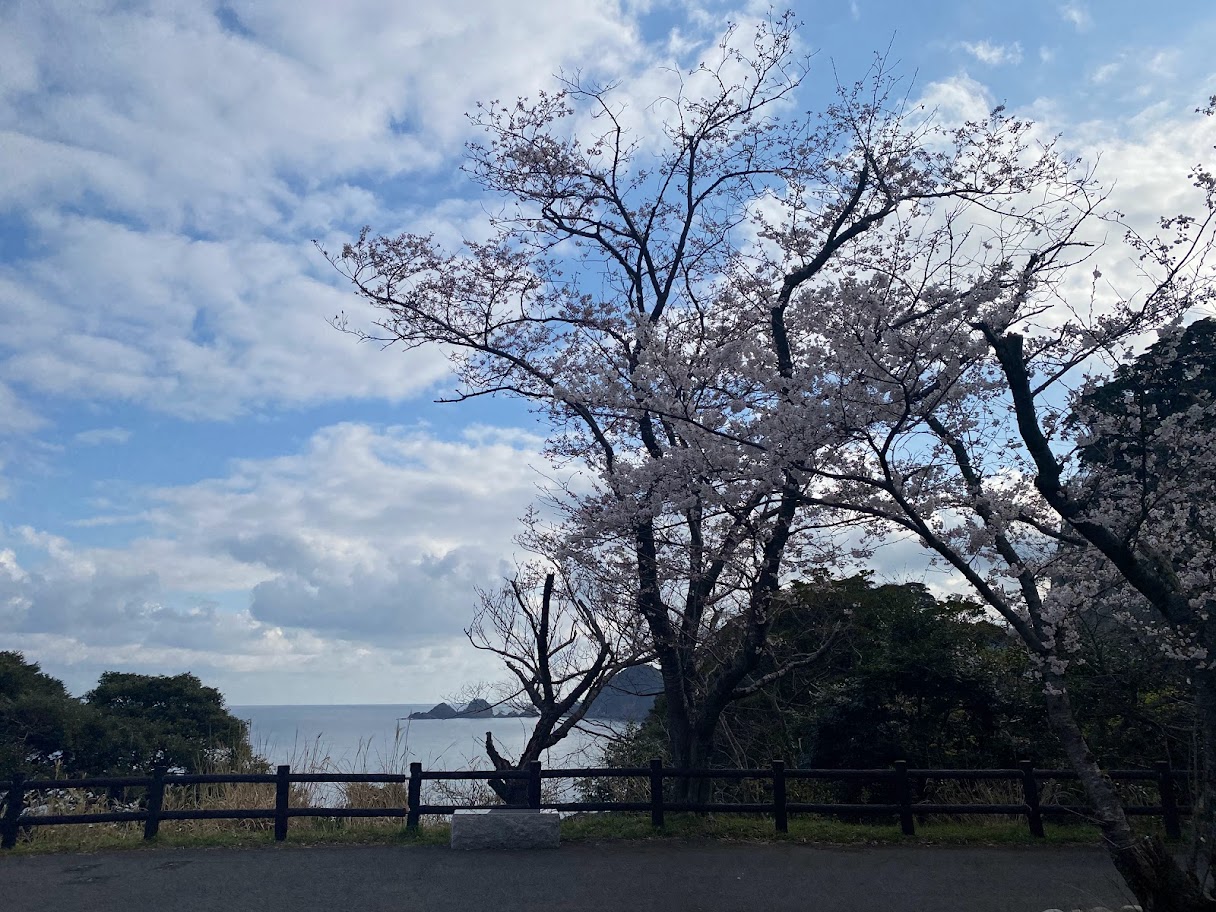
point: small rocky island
(475, 709)
(629, 697)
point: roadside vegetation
(583, 828)
(935, 682)
(125, 726)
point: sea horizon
(235, 706)
(380, 737)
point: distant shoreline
(413, 706)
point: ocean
(381, 738)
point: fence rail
(18, 814)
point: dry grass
(1009, 791)
(310, 757)
(813, 829)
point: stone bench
(508, 828)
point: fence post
(534, 784)
(656, 793)
(414, 796)
(783, 825)
(904, 788)
(156, 800)
(1169, 802)
(282, 793)
(15, 804)
(1030, 794)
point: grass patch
(817, 830)
(302, 832)
(977, 830)
(583, 828)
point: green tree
(933, 682)
(39, 720)
(1146, 458)
(127, 724)
(910, 677)
(940, 684)
(140, 721)
(1134, 703)
(1175, 379)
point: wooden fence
(16, 814)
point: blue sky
(196, 471)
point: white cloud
(1164, 63)
(1146, 156)
(172, 163)
(171, 168)
(202, 329)
(1105, 72)
(366, 538)
(288, 667)
(154, 110)
(1161, 75)
(1077, 13)
(16, 417)
(1142, 155)
(994, 54)
(957, 99)
(101, 436)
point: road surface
(636, 876)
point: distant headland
(629, 698)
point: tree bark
(1159, 883)
(699, 790)
(1203, 821)
(512, 792)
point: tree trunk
(688, 751)
(696, 754)
(690, 741)
(1159, 883)
(1203, 821)
(512, 792)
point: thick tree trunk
(696, 755)
(688, 750)
(512, 792)
(690, 742)
(1159, 883)
(1203, 822)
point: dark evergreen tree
(140, 721)
(39, 720)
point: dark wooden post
(656, 793)
(415, 796)
(282, 793)
(783, 825)
(1169, 802)
(156, 800)
(14, 805)
(904, 789)
(1030, 794)
(534, 784)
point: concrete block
(509, 828)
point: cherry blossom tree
(634, 288)
(950, 354)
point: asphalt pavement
(636, 876)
